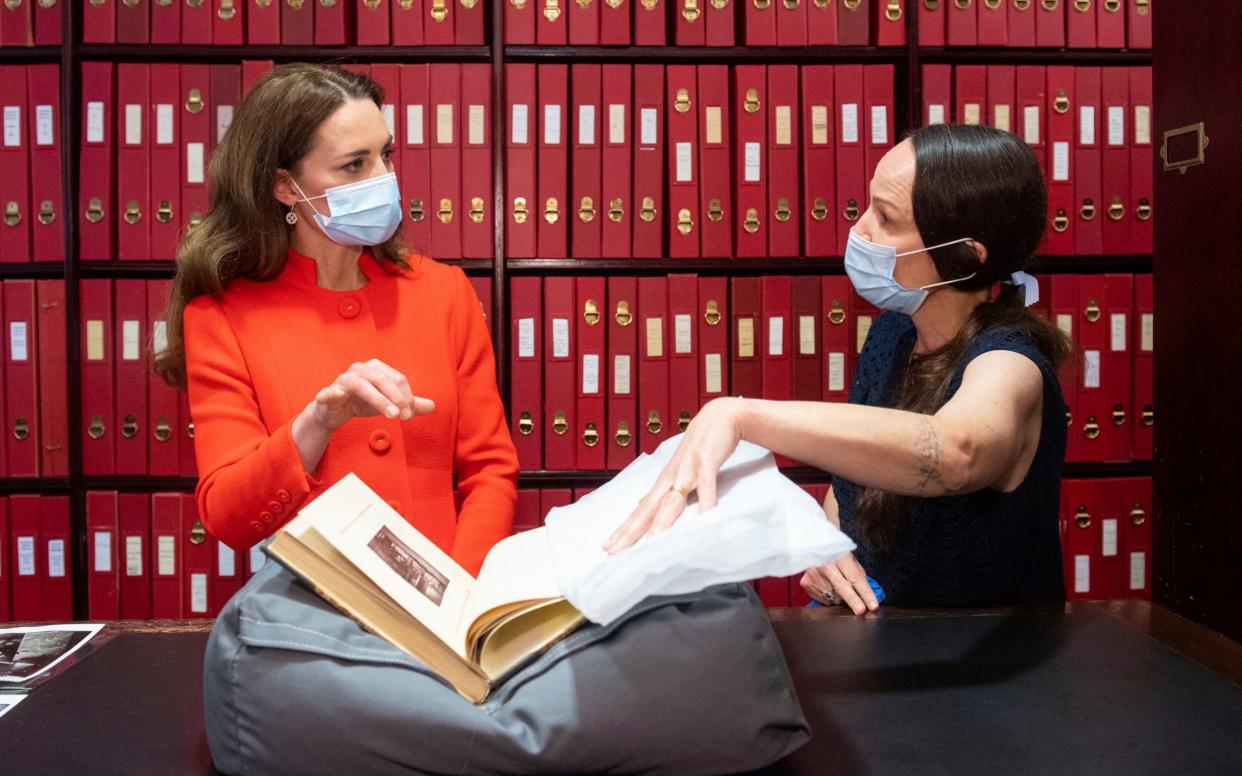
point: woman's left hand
(708, 442)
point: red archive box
(552, 206)
(1136, 537)
(447, 210)
(591, 428)
(1110, 24)
(1138, 24)
(750, 180)
(1080, 541)
(805, 338)
(228, 22)
(714, 324)
(98, 432)
(615, 23)
(583, 23)
(836, 342)
(47, 240)
(1142, 161)
(165, 218)
(683, 219)
(196, 139)
(791, 23)
(854, 22)
(683, 352)
(1029, 101)
(932, 25)
(585, 209)
(166, 562)
(26, 561)
(649, 23)
(262, 23)
(163, 427)
(1050, 23)
(559, 374)
(519, 23)
(469, 25)
(1080, 23)
(784, 196)
(878, 88)
(551, 24)
(95, 225)
(970, 94)
(134, 566)
(134, 213)
(747, 366)
(415, 156)
(1000, 93)
(102, 543)
(1063, 310)
(1022, 23)
(776, 303)
(653, 369)
(523, 215)
(1103, 333)
(332, 29)
(1116, 223)
(526, 512)
(993, 23)
(21, 378)
(616, 206)
(526, 371)
(297, 24)
(648, 139)
(821, 24)
(98, 21)
(57, 594)
(1088, 186)
(53, 379)
(5, 562)
(166, 23)
(130, 418)
(819, 227)
(715, 193)
(622, 313)
(373, 23)
(890, 21)
(197, 557)
(937, 94)
(477, 196)
(226, 94)
(852, 178)
(962, 23)
(1062, 210)
(1142, 406)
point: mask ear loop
(305, 199)
(943, 245)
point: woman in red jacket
(314, 344)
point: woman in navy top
(947, 460)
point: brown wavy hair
(244, 233)
(978, 182)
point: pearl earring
(291, 217)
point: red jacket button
(283, 495)
(256, 526)
(348, 308)
(275, 507)
(379, 442)
(267, 517)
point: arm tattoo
(929, 449)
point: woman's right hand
(365, 390)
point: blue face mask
(870, 267)
(367, 212)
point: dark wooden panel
(1198, 74)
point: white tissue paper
(763, 525)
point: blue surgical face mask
(367, 212)
(870, 267)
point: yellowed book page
(419, 576)
(527, 633)
(518, 568)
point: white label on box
(94, 341)
(444, 124)
(1142, 125)
(560, 338)
(1118, 321)
(1082, 573)
(590, 373)
(160, 336)
(784, 125)
(972, 113)
(711, 362)
(745, 337)
(131, 332)
(194, 163)
(648, 118)
(1108, 534)
(224, 120)
(103, 551)
(682, 339)
(133, 124)
(25, 556)
(1000, 117)
(257, 558)
(1148, 335)
(226, 560)
(863, 329)
(621, 375)
(714, 118)
(1066, 324)
(45, 131)
(551, 125)
(586, 125)
(56, 558)
(526, 338)
(879, 125)
(1086, 125)
(1030, 124)
(776, 335)
(390, 119)
(1138, 570)
(164, 124)
(806, 335)
(12, 125)
(166, 555)
(753, 173)
(94, 122)
(836, 371)
(684, 167)
(935, 114)
(518, 124)
(819, 125)
(616, 123)
(655, 337)
(1060, 161)
(19, 340)
(198, 593)
(414, 125)
(1116, 125)
(133, 556)
(849, 122)
(1091, 369)
(476, 121)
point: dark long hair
(978, 182)
(244, 233)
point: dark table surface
(1096, 688)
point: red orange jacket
(258, 354)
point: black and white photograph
(25, 653)
(420, 574)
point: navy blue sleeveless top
(980, 548)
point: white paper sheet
(28, 652)
(763, 525)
